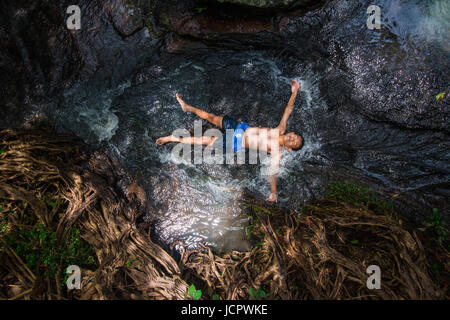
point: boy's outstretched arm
(273, 188)
(295, 86)
(272, 175)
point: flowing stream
(367, 112)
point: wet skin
(264, 139)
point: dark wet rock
(40, 57)
(127, 17)
(209, 23)
(211, 20)
(269, 3)
(368, 112)
(176, 43)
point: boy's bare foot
(183, 104)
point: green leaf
(2, 151)
(216, 297)
(191, 290)
(261, 244)
(440, 96)
(199, 10)
(129, 263)
(251, 291)
(248, 230)
(354, 242)
(52, 204)
(421, 229)
(260, 294)
(435, 212)
(197, 295)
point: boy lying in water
(264, 139)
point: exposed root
(35, 164)
(323, 254)
(47, 181)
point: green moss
(43, 254)
(437, 224)
(359, 196)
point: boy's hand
(272, 198)
(295, 86)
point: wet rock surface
(267, 3)
(367, 110)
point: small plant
(3, 225)
(257, 209)
(256, 294)
(193, 293)
(45, 255)
(440, 95)
(129, 263)
(53, 204)
(200, 10)
(437, 224)
(248, 230)
(216, 297)
(260, 244)
(356, 195)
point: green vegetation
(216, 297)
(193, 293)
(200, 10)
(357, 196)
(129, 263)
(437, 224)
(248, 230)
(41, 251)
(440, 96)
(256, 294)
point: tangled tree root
(50, 184)
(323, 253)
(34, 165)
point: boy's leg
(186, 140)
(215, 120)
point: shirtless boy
(251, 138)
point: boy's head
(292, 141)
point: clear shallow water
(365, 112)
(200, 203)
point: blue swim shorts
(239, 129)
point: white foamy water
(419, 20)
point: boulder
(269, 3)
